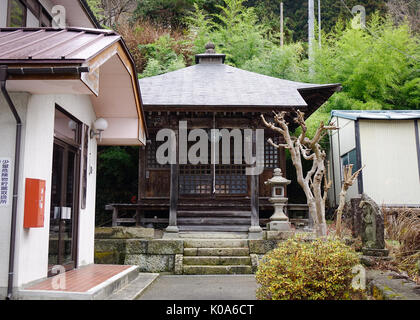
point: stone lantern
(278, 221)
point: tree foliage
(236, 34)
(117, 180)
(161, 57)
(378, 66)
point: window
(17, 14)
(151, 149)
(66, 128)
(271, 154)
(349, 158)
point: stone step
(219, 243)
(214, 221)
(217, 260)
(213, 213)
(216, 252)
(213, 235)
(204, 270)
(135, 288)
(215, 228)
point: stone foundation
(137, 246)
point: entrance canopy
(211, 85)
(111, 81)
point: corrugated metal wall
(389, 153)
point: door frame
(75, 147)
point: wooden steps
(214, 220)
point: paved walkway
(210, 287)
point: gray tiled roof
(222, 85)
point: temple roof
(211, 84)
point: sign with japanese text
(5, 179)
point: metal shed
(386, 142)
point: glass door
(64, 202)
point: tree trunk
(340, 209)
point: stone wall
(140, 246)
(156, 255)
(136, 246)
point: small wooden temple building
(209, 95)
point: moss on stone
(135, 246)
(106, 257)
(262, 246)
(124, 233)
(165, 247)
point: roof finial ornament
(210, 56)
(210, 47)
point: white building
(60, 82)
(386, 143)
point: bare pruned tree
(348, 181)
(316, 182)
(405, 10)
(110, 11)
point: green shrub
(309, 270)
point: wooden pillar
(172, 230)
(139, 217)
(254, 201)
(141, 185)
(114, 216)
(142, 173)
(255, 231)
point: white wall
(347, 135)
(389, 152)
(33, 243)
(3, 13)
(37, 112)
(7, 149)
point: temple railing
(132, 214)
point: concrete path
(209, 287)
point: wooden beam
(174, 192)
(255, 230)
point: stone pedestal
(255, 233)
(278, 221)
(278, 226)
(171, 232)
